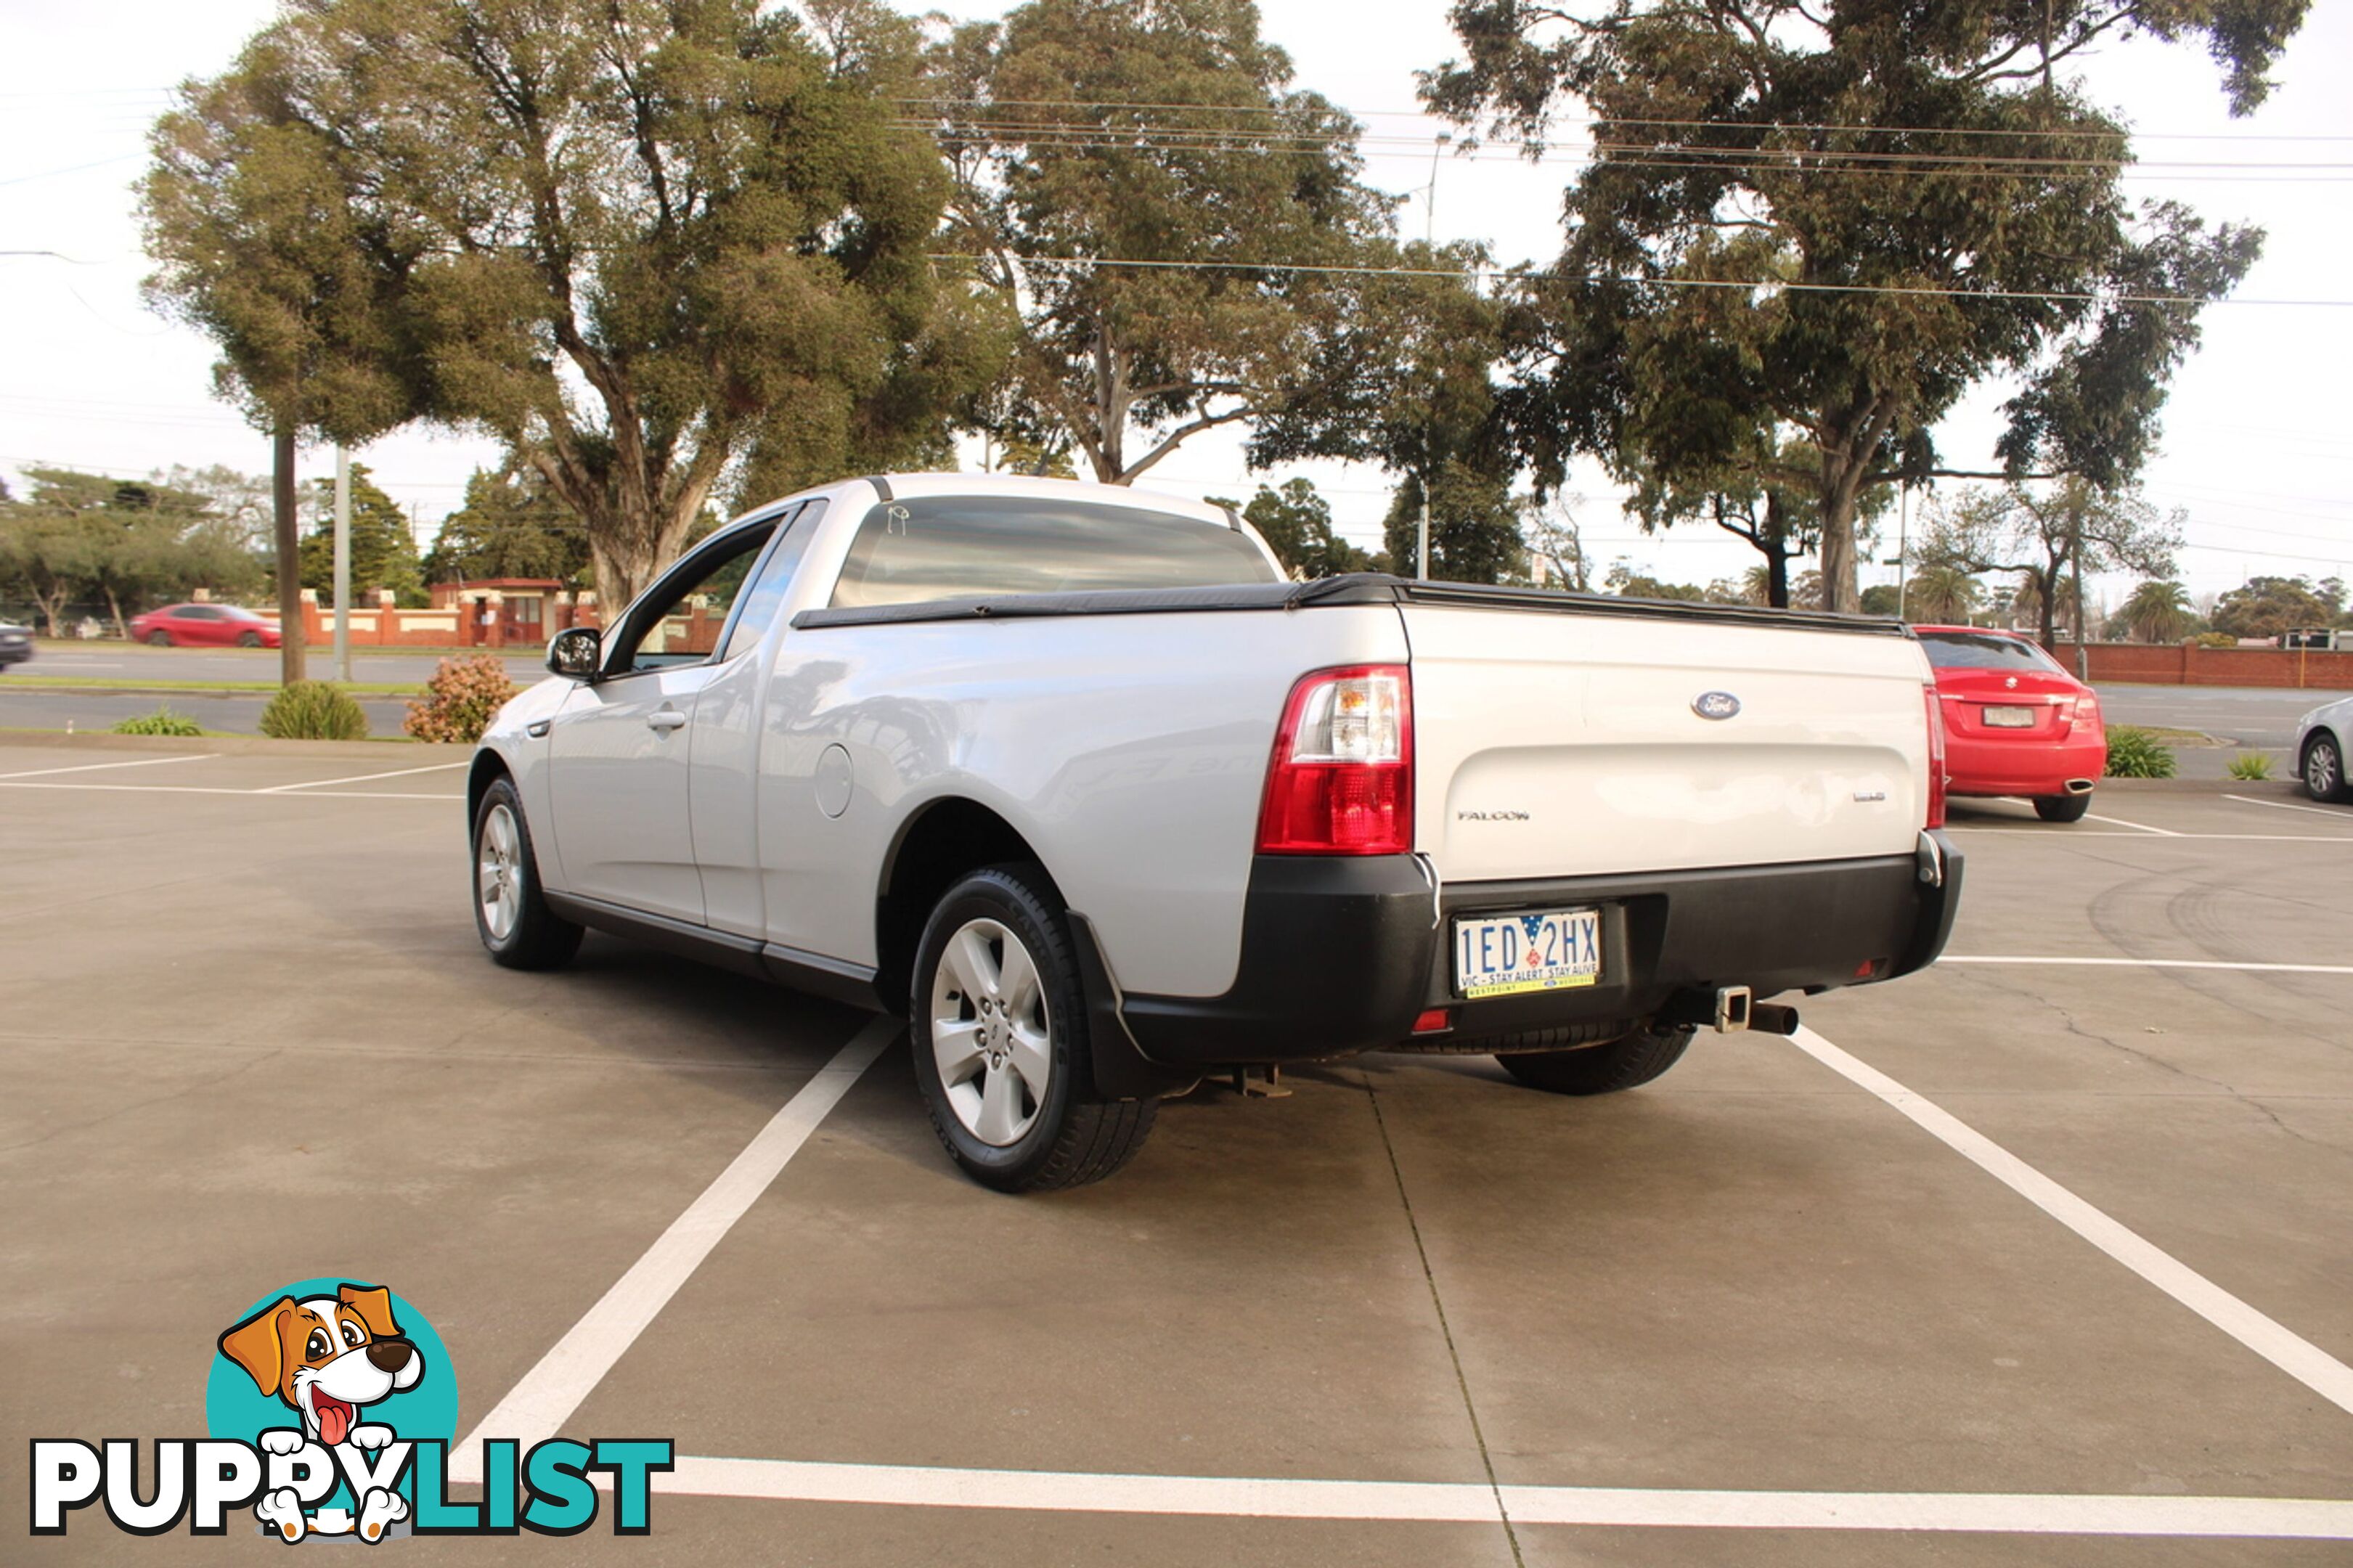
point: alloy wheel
(499, 873)
(991, 1034)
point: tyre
(2062, 808)
(1600, 1069)
(159, 638)
(2324, 769)
(998, 1023)
(248, 640)
(510, 911)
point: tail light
(1341, 779)
(1935, 760)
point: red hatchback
(2016, 723)
(204, 626)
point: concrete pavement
(250, 1037)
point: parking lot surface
(2045, 1255)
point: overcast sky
(2257, 446)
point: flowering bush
(461, 700)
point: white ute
(1074, 777)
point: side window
(758, 607)
(680, 621)
(200, 613)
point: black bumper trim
(1341, 955)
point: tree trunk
(1775, 545)
(1839, 591)
(286, 533)
(114, 608)
(52, 606)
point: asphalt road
(248, 1039)
(131, 663)
(2260, 718)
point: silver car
(2321, 737)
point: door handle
(666, 720)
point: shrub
(461, 700)
(2138, 754)
(314, 710)
(2252, 766)
(2212, 639)
(163, 721)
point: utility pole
(2082, 655)
(286, 533)
(1429, 204)
(343, 565)
(1903, 547)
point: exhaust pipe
(2079, 786)
(1771, 1018)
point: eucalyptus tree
(1805, 234)
(1178, 229)
(2045, 534)
(649, 247)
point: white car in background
(2321, 737)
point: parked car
(2322, 737)
(204, 626)
(2016, 722)
(15, 644)
(1073, 775)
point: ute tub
(1343, 954)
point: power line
(1759, 286)
(982, 106)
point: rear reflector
(1935, 760)
(1435, 1021)
(1341, 779)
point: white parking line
(2290, 805)
(199, 789)
(1465, 1502)
(363, 778)
(2145, 827)
(537, 1407)
(2159, 964)
(93, 767)
(2299, 1357)
(2062, 835)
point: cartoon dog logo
(327, 1358)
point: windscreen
(955, 547)
(1981, 650)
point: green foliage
(2039, 532)
(128, 541)
(1812, 164)
(1474, 526)
(2136, 754)
(512, 525)
(314, 710)
(461, 700)
(1166, 130)
(1881, 599)
(384, 552)
(2253, 767)
(1942, 592)
(163, 721)
(645, 245)
(2157, 612)
(1296, 524)
(2212, 639)
(2266, 606)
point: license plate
(1498, 956)
(2009, 718)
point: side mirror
(575, 653)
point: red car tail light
(1936, 759)
(1341, 778)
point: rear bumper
(2019, 767)
(1343, 954)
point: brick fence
(2185, 664)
